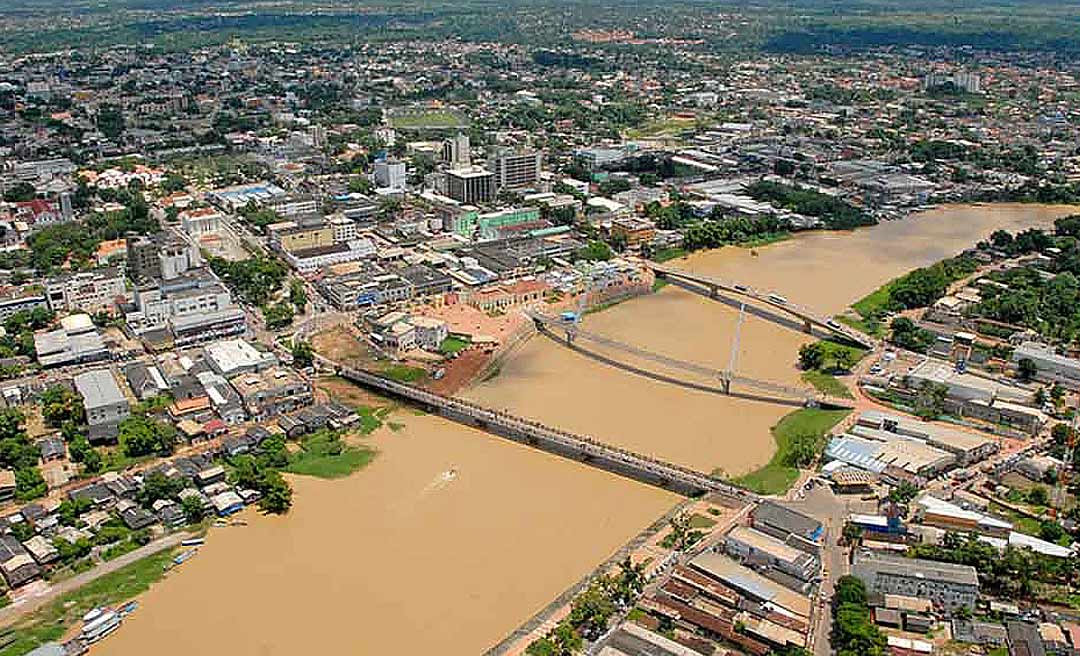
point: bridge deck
(802, 312)
(726, 377)
(584, 445)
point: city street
(831, 510)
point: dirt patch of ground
(332, 388)
(460, 372)
(35, 425)
(339, 344)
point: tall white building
(390, 174)
(345, 230)
(456, 151)
(516, 170)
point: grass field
(433, 119)
(832, 348)
(452, 345)
(776, 477)
(874, 303)
(701, 521)
(669, 126)
(52, 621)
(324, 455)
(826, 384)
(667, 254)
(403, 373)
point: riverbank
(518, 525)
(440, 493)
(51, 617)
(791, 433)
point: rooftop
(98, 388)
(869, 566)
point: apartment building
(516, 170)
(470, 185)
(89, 291)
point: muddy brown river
(451, 537)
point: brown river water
(405, 558)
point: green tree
(71, 509)
(60, 405)
(110, 121)
(845, 359)
(276, 494)
(595, 251)
(802, 450)
(157, 486)
(20, 192)
(1037, 496)
(852, 533)
(903, 493)
(811, 356)
(29, 484)
(1051, 531)
(298, 295)
(278, 315)
(194, 509)
(930, 400)
(1039, 397)
(1026, 369)
(142, 436)
(302, 352)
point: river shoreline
(455, 565)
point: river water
(451, 537)
(826, 271)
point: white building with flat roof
(106, 406)
(1049, 365)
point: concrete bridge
(572, 331)
(809, 317)
(640, 467)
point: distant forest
(797, 26)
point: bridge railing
(537, 429)
(796, 309)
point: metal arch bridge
(573, 331)
(808, 316)
(583, 447)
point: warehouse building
(947, 585)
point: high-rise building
(318, 135)
(390, 174)
(470, 185)
(456, 151)
(66, 210)
(516, 170)
(966, 82)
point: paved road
(10, 614)
(831, 510)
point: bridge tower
(725, 380)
